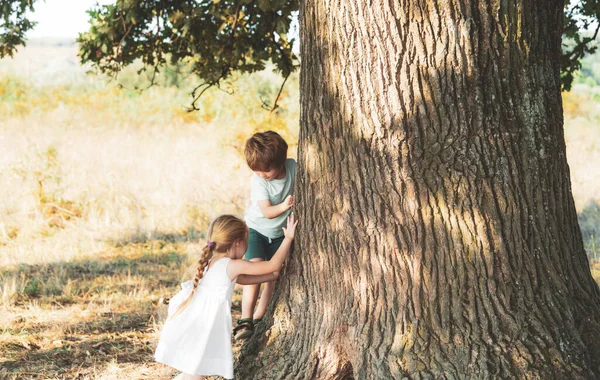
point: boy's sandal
(257, 321)
(244, 329)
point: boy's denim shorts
(260, 246)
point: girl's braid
(205, 257)
(223, 232)
(207, 253)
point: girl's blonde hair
(222, 233)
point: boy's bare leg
(265, 297)
(249, 297)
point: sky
(61, 18)
(68, 18)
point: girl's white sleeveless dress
(198, 340)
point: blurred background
(88, 159)
(106, 189)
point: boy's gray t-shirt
(275, 191)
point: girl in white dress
(196, 338)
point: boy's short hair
(265, 151)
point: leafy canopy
(582, 22)
(219, 37)
(14, 25)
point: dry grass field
(105, 194)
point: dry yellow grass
(582, 135)
(106, 194)
(94, 317)
(87, 317)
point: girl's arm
(239, 267)
(247, 279)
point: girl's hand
(290, 231)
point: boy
(271, 194)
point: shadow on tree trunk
(438, 234)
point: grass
(582, 135)
(107, 192)
(89, 317)
(94, 317)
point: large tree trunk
(439, 236)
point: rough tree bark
(439, 236)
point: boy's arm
(248, 279)
(271, 212)
(260, 195)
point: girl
(196, 338)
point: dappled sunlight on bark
(439, 236)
